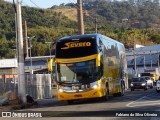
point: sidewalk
(39, 103)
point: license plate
(75, 87)
(78, 95)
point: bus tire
(122, 90)
(70, 102)
(145, 88)
(158, 91)
(106, 97)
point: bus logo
(76, 44)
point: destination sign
(76, 44)
(76, 47)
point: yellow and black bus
(89, 66)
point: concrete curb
(36, 104)
(22, 106)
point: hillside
(70, 13)
(122, 21)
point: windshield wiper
(65, 82)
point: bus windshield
(80, 72)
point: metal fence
(8, 82)
(37, 85)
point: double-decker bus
(89, 66)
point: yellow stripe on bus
(81, 59)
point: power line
(74, 4)
(34, 3)
(14, 5)
(24, 3)
(74, 1)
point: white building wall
(8, 63)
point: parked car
(158, 86)
(139, 83)
(149, 81)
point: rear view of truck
(152, 72)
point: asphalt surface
(142, 104)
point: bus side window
(101, 69)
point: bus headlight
(60, 90)
(95, 86)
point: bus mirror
(50, 66)
(98, 60)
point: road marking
(144, 101)
(129, 104)
(148, 104)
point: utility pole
(144, 60)
(80, 17)
(16, 35)
(21, 73)
(135, 67)
(158, 60)
(96, 24)
(25, 39)
(96, 20)
(151, 58)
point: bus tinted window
(69, 48)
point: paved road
(139, 102)
(132, 100)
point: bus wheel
(70, 102)
(157, 91)
(122, 90)
(106, 95)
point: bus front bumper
(93, 93)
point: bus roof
(79, 36)
(88, 35)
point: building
(146, 57)
(39, 65)
(8, 68)
(37, 85)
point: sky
(43, 3)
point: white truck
(152, 72)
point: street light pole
(30, 47)
(49, 43)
